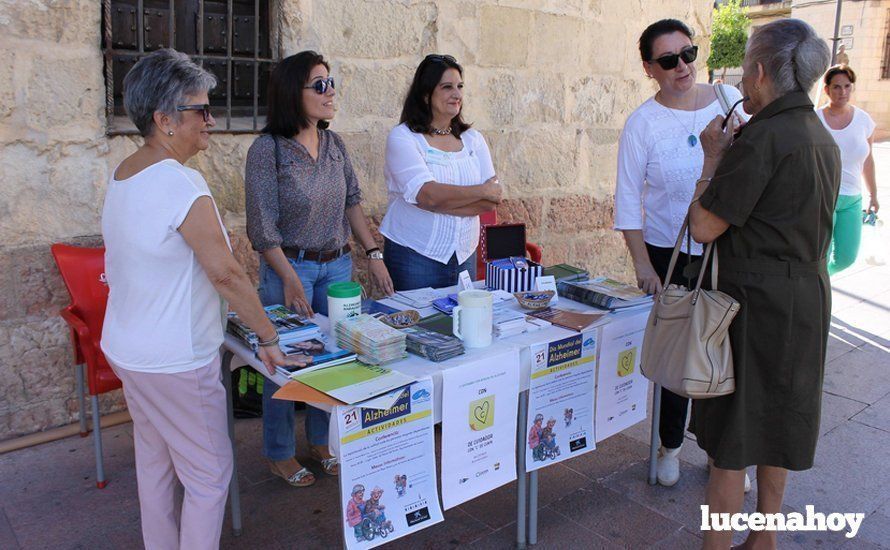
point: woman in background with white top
(853, 130)
(170, 273)
(440, 178)
(659, 159)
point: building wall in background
(548, 82)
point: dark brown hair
(417, 113)
(285, 115)
(661, 28)
(843, 69)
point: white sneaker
(747, 483)
(668, 466)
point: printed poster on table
(388, 467)
(479, 427)
(560, 400)
(621, 390)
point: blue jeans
(278, 415)
(410, 269)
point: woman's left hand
(380, 276)
(715, 139)
(873, 204)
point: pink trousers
(180, 431)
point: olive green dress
(776, 186)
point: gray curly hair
(161, 81)
(792, 54)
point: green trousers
(847, 233)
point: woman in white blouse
(659, 159)
(853, 130)
(440, 177)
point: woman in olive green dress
(766, 198)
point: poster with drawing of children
(388, 467)
(560, 400)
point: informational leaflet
(388, 467)
(479, 401)
(352, 382)
(560, 400)
(621, 389)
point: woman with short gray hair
(170, 271)
(766, 198)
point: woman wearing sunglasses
(853, 130)
(303, 203)
(440, 178)
(169, 268)
(659, 157)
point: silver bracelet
(270, 343)
(699, 180)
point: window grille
(201, 29)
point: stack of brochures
(604, 292)
(318, 351)
(291, 329)
(506, 321)
(432, 345)
(375, 342)
(419, 298)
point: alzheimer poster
(621, 389)
(560, 400)
(388, 467)
(479, 426)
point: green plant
(729, 33)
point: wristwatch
(374, 254)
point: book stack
(604, 292)
(291, 329)
(432, 345)
(507, 322)
(566, 272)
(318, 351)
(375, 342)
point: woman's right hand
(648, 281)
(271, 357)
(295, 297)
(493, 190)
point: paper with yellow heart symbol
(626, 361)
(482, 413)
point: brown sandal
(301, 478)
(331, 465)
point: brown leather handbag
(686, 346)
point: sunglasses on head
(321, 86)
(438, 58)
(204, 108)
(668, 62)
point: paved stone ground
(48, 497)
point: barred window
(202, 29)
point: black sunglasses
(440, 58)
(204, 108)
(321, 86)
(668, 62)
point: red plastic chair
(83, 270)
(532, 250)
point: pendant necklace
(692, 140)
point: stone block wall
(870, 20)
(548, 82)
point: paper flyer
(388, 467)
(352, 382)
(621, 390)
(478, 428)
(560, 400)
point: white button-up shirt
(411, 162)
